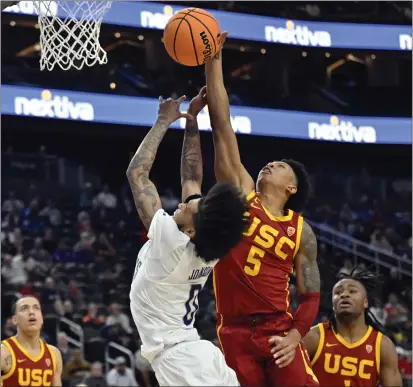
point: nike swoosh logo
(20, 361)
(330, 345)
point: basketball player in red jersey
(350, 350)
(26, 360)
(252, 282)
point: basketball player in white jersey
(173, 266)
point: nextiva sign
(124, 110)
(54, 105)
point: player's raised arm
(228, 166)
(389, 366)
(191, 157)
(144, 192)
(57, 377)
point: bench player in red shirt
(350, 350)
(252, 282)
(26, 360)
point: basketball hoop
(69, 33)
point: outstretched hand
(198, 102)
(222, 38)
(169, 110)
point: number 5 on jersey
(253, 265)
(192, 304)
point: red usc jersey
(338, 363)
(27, 370)
(254, 277)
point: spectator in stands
(405, 366)
(106, 199)
(346, 213)
(39, 253)
(12, 204)
(13, 270)
(144, 367)
(104, 247)
(76, 368)
(83, 249)
(49, 296)
(92, 319)
(96, 378)
(74, 293)
(68, 309)
(30, 218)
(63, 345)
(86, 196)
(117, 317)
(52, 213)
(396, 312)
(9, 329)
(84, 223)
(49, 241)
(27, 290)
(379, 240)
(121, 375)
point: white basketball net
(71, 40)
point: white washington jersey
(164, 292)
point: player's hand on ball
(222, 38)
(169, 110)
(284, 348)
(198, 102)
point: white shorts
(193, 363)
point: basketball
(191, 37)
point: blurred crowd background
(70, 233)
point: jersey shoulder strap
(321, 342)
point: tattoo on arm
(191, 159)
(8, 362)
(144, 192)
(309, 267)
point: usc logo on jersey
(34, 377)
(348, 366)
(267, 238)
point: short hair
(219, 222)
(369, 281)
(299, 200)
(14, 305)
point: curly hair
(219, 222)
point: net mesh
(69, 33)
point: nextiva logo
(157, 20)
(343, 131)
(240, 124)
(296, 34)
(53, 106)
(405, 42)
(28, 8)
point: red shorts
(247, 351)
